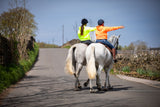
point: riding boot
(114, 55)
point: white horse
(75, 61)
(98, 57)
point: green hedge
(13, 73)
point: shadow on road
(120, 88)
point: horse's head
(114, 40)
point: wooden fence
(152, 51)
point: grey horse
(98, 57)
(75, 61)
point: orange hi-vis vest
(101, 31)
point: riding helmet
(100, 21)
(84, 21)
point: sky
(141, 18)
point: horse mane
(111, 38)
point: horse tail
(69, 67)
(91, 67)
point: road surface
(47, 85)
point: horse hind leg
(77, 83)
(98, 79)
(99, 87)
(107, 84)
(91, 87)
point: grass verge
(139, 73)
(67, 47)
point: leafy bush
(153, 74)
(126, 69)
(112, 71)
(148, 73)
(141, 71)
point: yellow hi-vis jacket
(86, 31)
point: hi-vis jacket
(86, 31)
(101, 32)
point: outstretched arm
(114, 28)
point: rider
(83, 32)
(101, 35)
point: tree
(17, 22)
(131, 46)
(17, 25)
(75, 28)
(140, 45)
(120, 47)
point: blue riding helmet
(100, 21)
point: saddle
(86, 44)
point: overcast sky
(141, 18)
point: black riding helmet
(84, 21)
(100, 21)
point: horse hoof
(80, 87)
(92, 91)
(110, 87)
(85, 84)
(77, 89)
(99, 89)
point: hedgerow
(14, 72)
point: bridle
(115, 42)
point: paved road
(46, 85)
